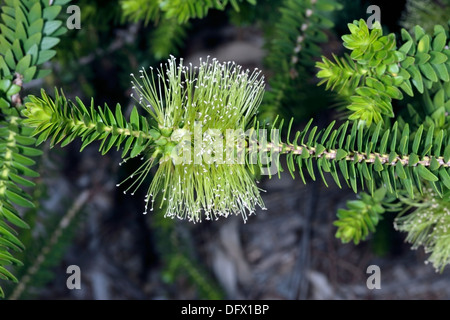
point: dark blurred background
(286, 252)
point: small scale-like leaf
(413, 159)
(341, 154)
(434, 164)
(378, 166)
(319, 149)
(392, 157)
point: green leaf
(422, 58)
(400, 170)
(417, 79)
(7, 232)
(35, 39)
(428, 71)
(344, 169)
(20, 33)
(341, 154)
(13, 218)
(51, 26)
(9, 59)
(392, 156)
(319, 149)
(50, 13)
(406, 86)
(434, 164)
(5, 84)
(438, 143)
(394, 93)
(9, 21)
(45, 55)
(7, 33)
(49, 42)
(426, 174)
(23, 64)
(134, 119)
(4, 67)
(19, 14)
(20, 180)
(445, 177)
(407, 62)
(35, 12)
(413, 159)
(22, 159)
(36, 27)
(43, 73)
(447, 153)
(378, 166)
(29, 74)
(23, 170)
(14, 89)
(6, 256)
(438, 57)
(439, 42)
(19, 199)
(406, 47)
(8, 275)
(417, 138)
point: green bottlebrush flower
(429, 226)
(195, 108)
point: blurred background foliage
(116, 38)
